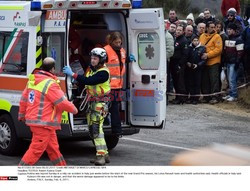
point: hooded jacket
(43, 101)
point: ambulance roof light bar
(85, 4)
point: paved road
(188, 127)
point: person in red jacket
(227, 4)
(41, 107)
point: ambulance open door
(147, 76)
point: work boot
(100, 160)
(106, 157)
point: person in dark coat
(195, 65)
(178, 63)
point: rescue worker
(116, 65)
(97, 82)
(41, 107)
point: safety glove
(67, 70)
(132, 58)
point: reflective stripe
(22, 163)
(101, 147)
(100, 136)
(117, 77)
(40, 109)
(59, 100)
(21, 115)
(24, 99)
(39, 122)
(60, 159)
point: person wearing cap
(97, 82)
(190, 21)
(233, 18)
(199, 19)
(227, 4)
(195, 65)
(41, 107)
(233, 51)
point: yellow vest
(99, 89)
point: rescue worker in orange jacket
(41, 107)
(116, 65)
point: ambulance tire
(111, 141)
(10, 144)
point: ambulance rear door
(54, 33)
(147, 76)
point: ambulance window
(53, 47)
(148, 51)
(14, 52)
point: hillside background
(184, 7)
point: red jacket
(43, 101)
(227, 4)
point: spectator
(210, 78)
(199, 19)
(189, 33)
(234, 48)
(172, 29)
(172, 19)
(170, 51)
(195, 65)
(178, 63)
(169, 44)
(207, 16)
(233, 18)
(190, 21)
(246, 63)
(200, 29)
(220, 30)
(227, 4)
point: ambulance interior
(89, 29)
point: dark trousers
(210, 81)
(194, 83)
(178, 75)
(115, 112)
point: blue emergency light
(35, 6)
(136, 4)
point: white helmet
(100, 52)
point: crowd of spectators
(200, 49)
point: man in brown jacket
(210, 82)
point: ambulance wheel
(111, 141)
(9, 143)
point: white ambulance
(67, 30)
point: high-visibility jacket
(116, 69)
(99, 89)
(43, 101)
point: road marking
(159, 144)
